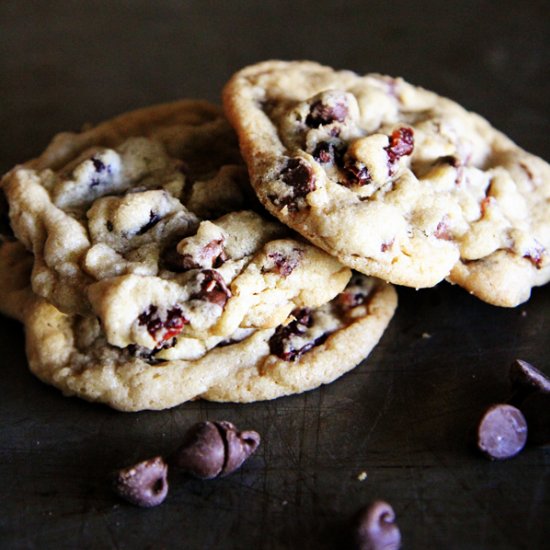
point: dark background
(404, 416)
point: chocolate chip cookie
(394, 180)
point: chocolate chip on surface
(144, 484)
(298, 174)
(202, 452)
(214, 449)
(502, 432)
(239, 445)
(525, 375)
(376, 528)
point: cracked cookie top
(394, 180)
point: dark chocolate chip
(281, 342)
(99, 165)
(238, 445)
(321, 113)
(144, 484)
(298, 174)
(526, 379)
(202, 452)
(536, 409)
(214, 449)
(212, 288)
(356, 174)
(376, 528)
(153, 220)
(502, 432)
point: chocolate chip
(536, 409)
(210, 255)
(298, 174)
(376, 528)
(284, 264)
(214, 449)
(153, 220)
(283, 341)
(99, 165)
(212, 288)
(322, 113)
(356, 174)
(526, 378)
(143, 484)
(502, 432)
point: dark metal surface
(403, 417)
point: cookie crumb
(524, 313)
(426, 335)
(362, 476)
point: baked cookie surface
(313, 347)
(130, 234)
(394, 180)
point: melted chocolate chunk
(212, 288)
(298, 174)
(502, 432)
(356, 174)
(321, 113)
(153, 220)
(285, 264)
(281, 345)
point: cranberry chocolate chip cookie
(394, 180)
(313, 346)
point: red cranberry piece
(163, 330)
(536, 255)
(401, 144)
(144, 484)
(376, 528)
(298, 174)
(502, 432)
(212, 288)
(153, 220)
(321, 113)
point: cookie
(155, 170)
(394, 180)
(315, 347)
(111, 235)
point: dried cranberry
(212, 288)
(320, 113)
(285, 264)
(298, 174)
(401, 144)
(163, 330)
(153, 220)
(280, 343)
(536, 255)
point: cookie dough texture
(394, 180)
(71, 353)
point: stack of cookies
(161, 257)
